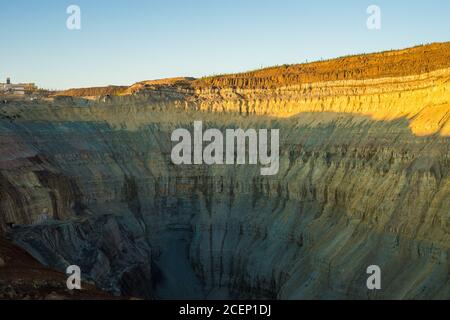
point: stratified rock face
(364, 180)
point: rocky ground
(24, 278)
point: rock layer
(364, 180)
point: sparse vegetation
(424, 58)
(417, 60)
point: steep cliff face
(364, 180)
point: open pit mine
(86, 179)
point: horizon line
(244, 71)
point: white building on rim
(19, 89)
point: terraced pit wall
(364, 180)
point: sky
(125, 41)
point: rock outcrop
(364, 180)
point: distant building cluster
(19, 89)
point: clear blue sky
(125, 41)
